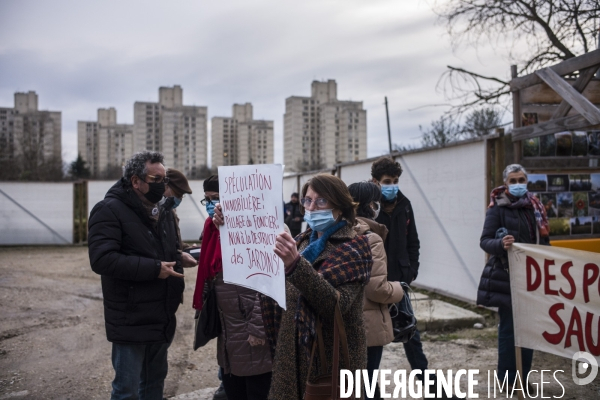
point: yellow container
(592, 245)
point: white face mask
(376, 211)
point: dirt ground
(53, 343)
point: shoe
(220, 393)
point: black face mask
(155, 193)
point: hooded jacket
(126, 250)
(402, 243)
(379, 292)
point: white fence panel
(356, 172)
(446, 188)
(36, 213)
(290, 185)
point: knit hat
(211, 184)
(178, 182)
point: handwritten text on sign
(252, 203)
(556, 299)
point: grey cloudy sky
(80, 56)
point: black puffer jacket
(402, 242)
(126, 250)
(494, 286)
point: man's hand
(166, 270)
(218, 218)
(188, 261)
(285, 248)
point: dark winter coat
(294, 210)
(241, 316)
(402, 242)
(494, 286)
(126, 250)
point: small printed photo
(581, 225)
(531, 147)
(595, 179)
(559, 226)
(565, 204)
(529, 119)
(564, 144)
(580, 183)
(537, 182)
(549, 202)
(594, 143)
(558, 183)
(580, 204)
(595, 225)
(594, 202)
(547, 146)
(580, 144)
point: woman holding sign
(514, 216)
(328, 265)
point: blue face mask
(210, 209)
(176, 201)
(518, 189)
(389, 192)
(319, 220)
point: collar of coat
(365, 224)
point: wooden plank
(517, 123)
(572, 96)
(584, 61)
(575, 122)
(543, 94)
(585, 76)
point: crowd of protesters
(360, 243)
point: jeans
(140, 371)
(374, 354)
(254, 387)
(507, 360)
(414, 353)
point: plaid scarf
(527, 201)
(350, 262)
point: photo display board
(572, 202)
(563, 144)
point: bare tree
(481, 122)
(537, 33)
(442, 131)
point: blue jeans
(507, 360)
(140, 371)
(414, 353)
(374, 354)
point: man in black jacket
(133, 246)
(402, 242)
(294, 217)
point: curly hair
(335, 191)
(364, 193)
(136, 165)
(385, 166)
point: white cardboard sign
(251, 197)
(555, 299)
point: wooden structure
(561, 104)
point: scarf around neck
(502, 198)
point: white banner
(555, 299)
(251, 197)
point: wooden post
(516, 97)
(520, 393)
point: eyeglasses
(320, 202)
(157, 179)
(205, 201)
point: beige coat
(378, 292)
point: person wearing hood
(133, 246)
(379, 292)
(514, 215)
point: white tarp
(555, 299)
(251, 198)
(36, 213)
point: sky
(80, 56)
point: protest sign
(555, 299)
(251, 197)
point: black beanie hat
(211, 184)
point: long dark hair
(364, 193)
